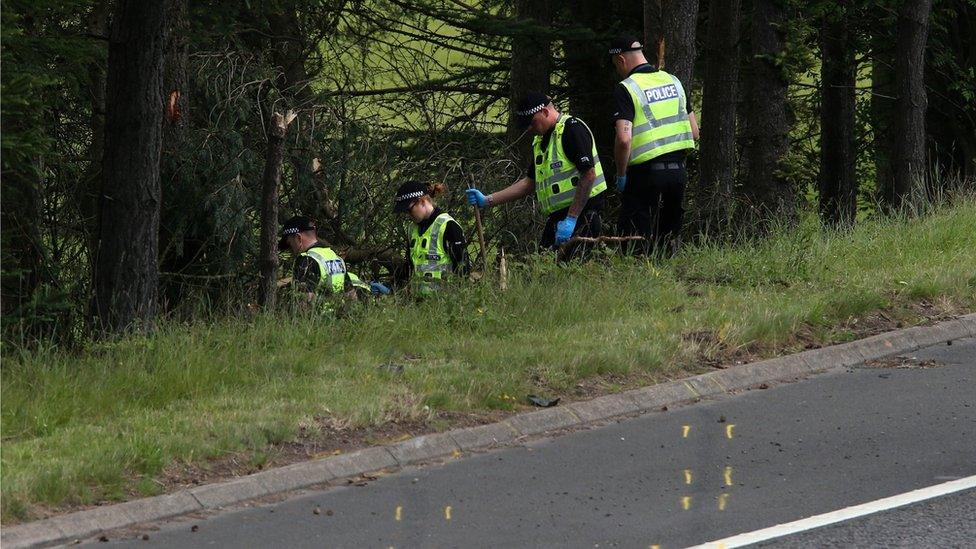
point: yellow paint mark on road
(722, 499)
(728, 430)
(728, 476)
(686, 502)
(399, 512)
(685, 429)
(688, 476)
(447, 513)
(653, 547)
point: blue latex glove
(376, 288)
(476, 198)
(621, 182)
(564, 229)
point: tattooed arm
(621, 145)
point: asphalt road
(945, 522)
(677, 478)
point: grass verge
(110, 421)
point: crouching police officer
(436, 246)
(319, 273)
(566, 174)
(654, 127)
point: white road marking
(841, 515)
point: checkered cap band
(529, 112)
(408, 196)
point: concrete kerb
(484, 436)
(363, 461)
(35, 534)
(296, 476)
(302, 475)
(550, 419)
(423, 448)
(605, 407)
(655, 396)
(166, 506)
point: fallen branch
(597, 239)
(566, 248)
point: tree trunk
(883, 110)
(268, 255)
(91, 181)
(951, 125)
(765, 134)
(718, 111)
(909, 157)
(838, 187)
(531, 63)
(680, 24)
(589, 70)
(175, 81)
(290, 55)
(179, 246)
(653, 30)
(126, 274)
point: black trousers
(589, 224)
(650, 205)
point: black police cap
(295, 225)
(623, 44)
(531, 103)
(406, 194)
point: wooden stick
(481, 236)
(502, 272)
(594, 240)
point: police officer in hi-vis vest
(436, 247)
(319, 273)
(565, 174)
(654, 126)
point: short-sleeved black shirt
(624, 109)
(577, 144)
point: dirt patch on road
(903, 363)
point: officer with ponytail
(565, 175)
(436, 246)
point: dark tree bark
(89, 189)
(680, 21)
(270, 181)
(589, 70)
(909, 155)
(653, 30)
(126, 274)
(718, 111)
(175, 78)
(765, 134)
(838, 186)
(531, 62)
(179, 248)
(950, 119)
(883, 109)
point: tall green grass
(101, 423)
